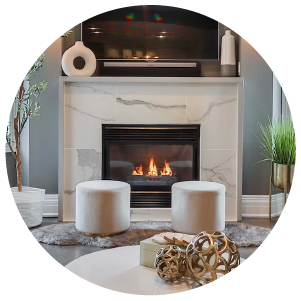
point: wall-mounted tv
(152, 32)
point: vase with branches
(28, 106)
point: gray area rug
(62, 234)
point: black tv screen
(152, 32)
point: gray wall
(39, 144)
(11, 169)
(258, 105)
(277, 98)
(43, 129)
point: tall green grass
(277, 141)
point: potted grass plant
(278, 144)
(29, 200)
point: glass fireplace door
(151, 158)
(153, 167)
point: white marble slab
(87, 107)
(69, 207)
(151, 103)
(215, 108)
(80, 165)
(220, 166)
(91, 102)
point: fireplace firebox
(151, 158)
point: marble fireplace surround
(87, 102)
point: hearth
(151, 158)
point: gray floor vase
(244, 235)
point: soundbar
(150, 64)
(148, 68)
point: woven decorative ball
(170, 263)
(211, 253)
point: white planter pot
(30, 202)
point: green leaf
(277, 140)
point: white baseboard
(252, 206)
(51, 205)
(258, 205)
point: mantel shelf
(204, 80)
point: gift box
(148, 250)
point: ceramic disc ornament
(79, 50)
(170, 263)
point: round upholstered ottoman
(197, 206)
(102, 207)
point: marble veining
(213, 105)
(218, 173)
(87, 107)
(89, 114)
(90, 158)
(83, 165)
(92, 100)
(96, 88)
(215, 108)
(220, 166)
(149, 104)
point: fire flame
(138, 171)
(166, 170)
(152, 168)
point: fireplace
(151, 158)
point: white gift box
(148, 250)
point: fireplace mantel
(88, 102)
(192, 80)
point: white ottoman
(197, 206)
(102, 207)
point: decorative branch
(12, 151)
(27, 106)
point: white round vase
(30, 203)
(79, 50)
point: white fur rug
(244, 235)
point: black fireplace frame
(154, 134)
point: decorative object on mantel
(228, 61)
(79, 50)
(170, 263)
(278, 143)
(210, 253)
(30, 201)
(244, 235)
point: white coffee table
(118, 269)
